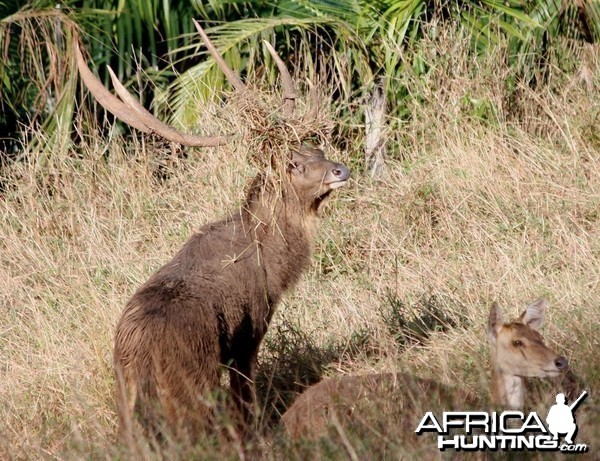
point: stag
(209, 307)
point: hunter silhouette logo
(560, 418)
(508, 430)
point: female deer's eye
(517, 343)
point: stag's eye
(517, 343)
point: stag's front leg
(241, 379)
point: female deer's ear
(533, 316)
(495, 322)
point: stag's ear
(533, 316)
(296, 168)
(311, 150)
(297, 162)
(495, 322)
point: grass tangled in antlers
(269, 136)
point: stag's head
(312, 177)
(276, 142)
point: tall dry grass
(473, 209)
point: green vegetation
(491, 192)
(355, 46)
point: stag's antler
(133, 113)
(104, 97)
(129, 109)
(289, 94)
(230, 74)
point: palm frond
(239, 42)
(36, 45)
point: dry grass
(470, 211)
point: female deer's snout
(561, 363)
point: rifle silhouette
(578, 401)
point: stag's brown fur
(211, 304)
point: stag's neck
(508, 391)
(269, 207)
(283, 232)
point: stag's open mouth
(332, 186)
(337, 184)
(320, 200)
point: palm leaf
(238, 42)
